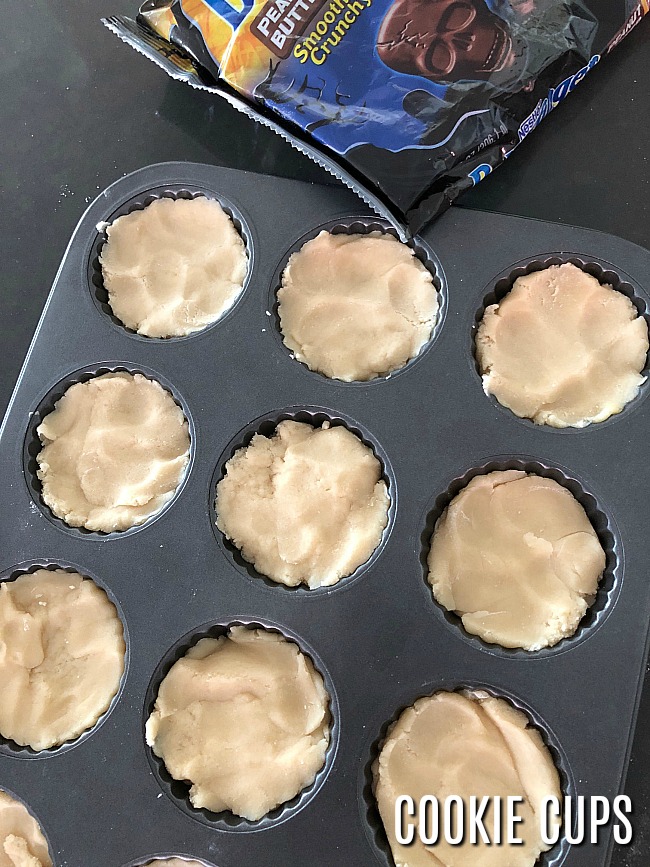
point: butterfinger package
(410, 102)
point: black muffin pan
(378, 637)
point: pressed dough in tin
(245, 719)
(355, 307)
(466, 744)
(562, 349)
(305, 505)
(63, 657)
(174, 267)
(115, 449)
(515, 556)
(22, 843)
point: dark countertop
(80, 109)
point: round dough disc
(516, 557)
(114, 451)
(307, 505)
(466, 744)
(22, 843)
(174, 267)
(245, 719)
(355, 307)
(64, 657)
(562, 349)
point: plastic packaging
(410, 102)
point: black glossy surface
(79, 109)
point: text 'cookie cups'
(517, 716)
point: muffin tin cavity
(373, 825)
(603, 523)
(178, 791)
(138, 203)
(266, 425)
(4, 790)
(363, 226)
(152, 859)
(11, 748)
(606, 274)
(32, 444)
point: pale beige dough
(245, 718)
(355, 307)
(114, 451)
(516, 557)
(61, 657)
(562, 349)
(466, 744)
(307, 505)
(174, 267)
(22, 843)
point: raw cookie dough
(174, 267)
(114, 451)
(454, 744)
(22, 843)
(245, 718)
(61, 657)
(355, 307)
(307, 505)
(516, 557)
(562, 349)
